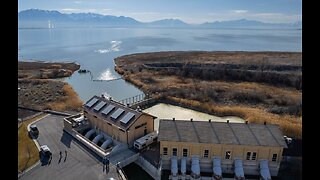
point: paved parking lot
(79, 164)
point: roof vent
(209, 120)
(191, 119)
(227, 121)
(246, 122)
(173, 119)
(265, 123)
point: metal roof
(112, 112)
(221, 133)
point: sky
(190, 11)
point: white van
(145, 140)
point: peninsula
(39, 88)
(257, 86)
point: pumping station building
(187, 149)
(220, 147)
(117, 120)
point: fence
(135, 99)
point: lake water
(95, 48)
(167, 111)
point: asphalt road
(80, 163)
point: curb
(37, 144)
(28, 127)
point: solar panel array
(91, 102)
(108, 109)
(127, 117)
(116, 114)
(99, 106)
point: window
(228, 154)
(185, 152)
(248, 155)
(254, 156)
(174, 151)
(274, 157)
(165, 151)
(95, 116)
(206, 153)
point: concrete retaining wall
(129, 160)
(85, 142)
(57, 113)
(149, 168)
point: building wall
(119, 134)
(109, 129)
(145, 122)
(237, 151)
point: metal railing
(134, 99)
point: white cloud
(77, 2)
(79, 10)
(70, 9)
(240, 11)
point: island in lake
(257, 86)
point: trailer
(145, 140)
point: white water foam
(115, 46)
(106, 75)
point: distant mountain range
(36, 18)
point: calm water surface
(95, 48)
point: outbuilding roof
(112, 112)
(221, 133)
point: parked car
(45, 151)
(34, 130)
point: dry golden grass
(134, 81)
(70, 101)
(210, 57)
(56, 66)
(28, 153)
(254, 101)
(119, 70)
(290, 125)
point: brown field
(39, 90)
(272, 94)
(42, 70)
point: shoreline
(40, 86)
